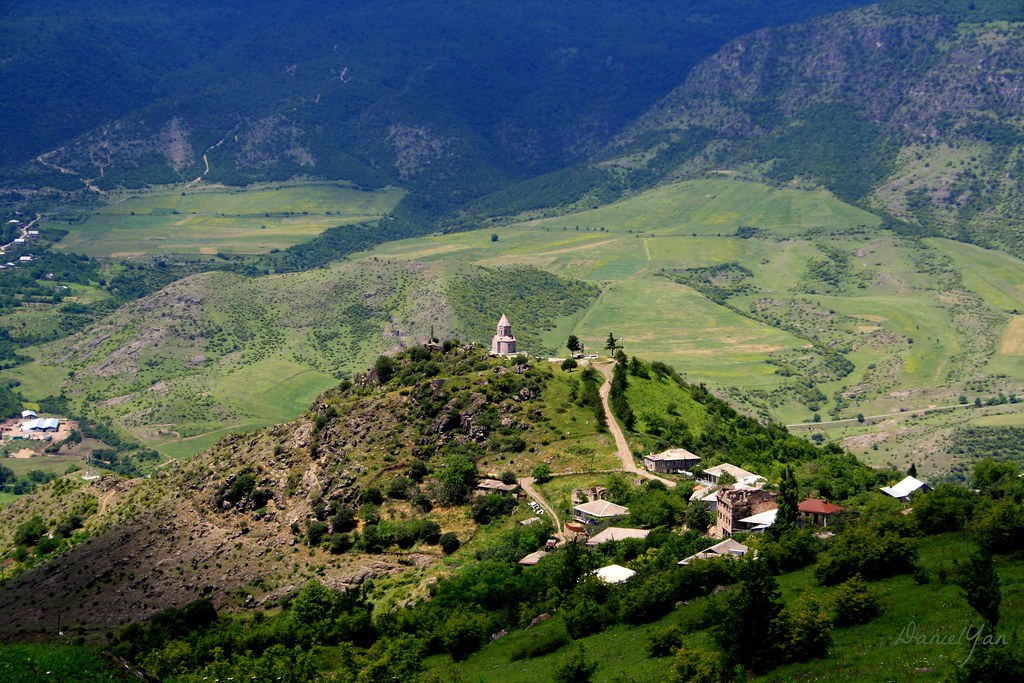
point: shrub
(541, 642)
(449, 542)
(664, 641)
(315, 533)
(694, 665)
(493, 506)
(575, 669)
(542, 473)
(863, 550)
(855, 603)
(341, 543)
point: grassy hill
(790, 302)
(218, 353)
(316, 547)
(205, 220)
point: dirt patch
(1012, 341)
(23, 453)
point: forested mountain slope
(914, 109)
(454, 99)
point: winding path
(625, 455)
(622, 451)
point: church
(504, 342)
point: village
(736, 499)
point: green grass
(29, 663)
(183, 220)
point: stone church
(504, 342)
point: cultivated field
(209, 220)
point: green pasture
(713, 206)
(182, 220)
(660, 320)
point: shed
(760, 521)
(903, 489)
(533, 558)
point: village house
(707, 495)
(736, 503)
(758, 522)
(903, 489)
(486, 486)
(672, 461)
(616, 533)
(727, 548)
(817, 512)
(597, 510)
(504, 342)
(712, 474)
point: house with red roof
(817, 512)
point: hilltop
(345, 544)
(396, 450)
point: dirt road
(622, 448)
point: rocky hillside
(362, 485)
(905, 108)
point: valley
(789, 302)
(763, 275)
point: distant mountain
(452, 99)
(914, 109)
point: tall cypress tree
(785, 519)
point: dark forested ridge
(453, 98)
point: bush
(542, 473)
(575, 669)
(664, 641)
(854, 603)
(341, 543)
(694, 665)
(493, 506)
(999, 527)
(541, 642)
(316, 532)
(464, 633)
(449, 542)
(947, 508)
(863, 550)
(29, 531)
(568, 365)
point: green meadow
(210, 220)
(880, 301)
(790, 302)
